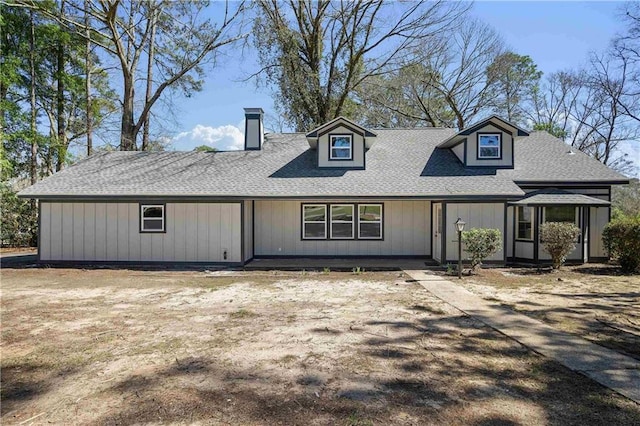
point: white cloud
(223, 138)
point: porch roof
(555, 196)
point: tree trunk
(149, 94)
(87, 80)
(128, 130)
(33, 170)
(61, 137)
(128, 136)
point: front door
(437, 232)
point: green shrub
(621, 237)
(480, 244)
(19, 227)
(559, 239)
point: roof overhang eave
(505, 197)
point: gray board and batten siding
(229, 207)
(406, 231)
(110, 232)
(475, 215)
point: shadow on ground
(430, 367)
(431, 383)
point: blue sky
(557, 35)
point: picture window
(561, 214)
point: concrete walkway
(607, 367)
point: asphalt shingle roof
(401, 163)
(542, 157)
(551, 196)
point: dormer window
(489, 146)
(341, 147)
(341, 144)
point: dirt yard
(593, 301)
(194, 347)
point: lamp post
(460, 227)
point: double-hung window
(489, 145)
(314, 221)
(524, 223)
(370, 221)
(341, 147)
(152, 218)
(341, 221)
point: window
(370, 221)
(489, 145)
(524, 223)
(341, 147)
(314, 221)
(152, 218)
(560, 214)
(342, 221)
(438, 220)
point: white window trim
(530, 238)
(142, 218)
(360, 237)
(350, 148)
(491, 157)
(352, 221)
(304, 222)
(576, 218)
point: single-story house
(340, 190)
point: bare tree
(552, 104)
(625, 51)
(582, 107)
(608, 124)
(314, 54)
(444, 82)
(460, 69)
(184, 42)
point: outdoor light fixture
(460, 227)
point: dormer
(485, 144)
(341, 143)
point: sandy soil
(18, 250)
(157, 347)
(595, 301)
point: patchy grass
(108, 346)
(242, 313)
(596, 302)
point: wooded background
(81, 76)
